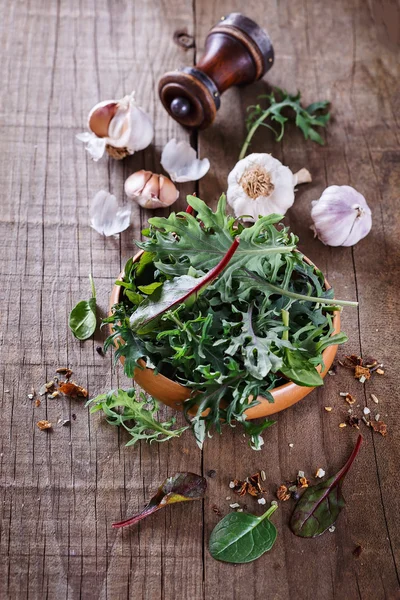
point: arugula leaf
(122, 408)
(277, 102)
(184, 290)
(82, 319)
(241, 537)
(321, 504)
(178, 488)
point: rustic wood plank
(61, 490)
(326, 51)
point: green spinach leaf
(241, 537)
(320, 505)
(82, 319)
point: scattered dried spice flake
(100, 350)
(73, 390)
(251, 485)
(362, 372)
(73, 416)
(357, 551)
(302, 481)
(212, 473)
(54, 394)
(350, 399)
(341, 425)
(354, 422)
(43, 425)
(37, 403)
(380, 371)
(328, 408)
(217, 511)
(282, 493)
(374, 399)
(379, 427)
(64, 371)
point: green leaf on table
(121, 408)
(320, 505)
(181, 487)
(82, 318)
(241, 537)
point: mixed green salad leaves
(263, 318)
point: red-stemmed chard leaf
(178, 488)
(320, 505)
(182, 290)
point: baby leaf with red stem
(320, 505)
(178, 488)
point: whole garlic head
(341, 216)
(119, 126)
(151, 190)
(260, 185)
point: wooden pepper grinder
(237, 52)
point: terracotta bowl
(173, 394)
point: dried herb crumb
(216, 510)
(212, 473)
(350, 399)
(282, 493)
(64, 371)
(360, 372)
(37, 403)
(379, 427)
(354, 422)
(44, 425)
(100, 350)
(73, 390)
(73, 416)
(357, 551)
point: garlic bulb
(260, 185)
(151, 190)
(181, 163)
(119, 126)
(341, 216)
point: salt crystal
(239, 510)
(263, 476)
(235, 505)
(228, 498)
(332, 528)
(320, 473)
(261, 501)
(362, 379)
(377, 417)
(107, 217)
(231, 485)
(291, 445)
(343, 394)
(30, 396)
(300, 474)
(374, 398)
(366, 410)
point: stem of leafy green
(305, 118)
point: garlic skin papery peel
(119, 126)
(260, 185)
(180, 161)
(107, 217)
(341, 217)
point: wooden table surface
(60, 490)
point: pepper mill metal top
(237, 52)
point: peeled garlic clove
(100, 117)
(179, 159)
(151, 190)
(260, 185)
(122, 126)
(341, 217)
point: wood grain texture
(60, 490)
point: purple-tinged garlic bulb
(341, 217)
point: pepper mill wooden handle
(237, 52)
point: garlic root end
(302, 176)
